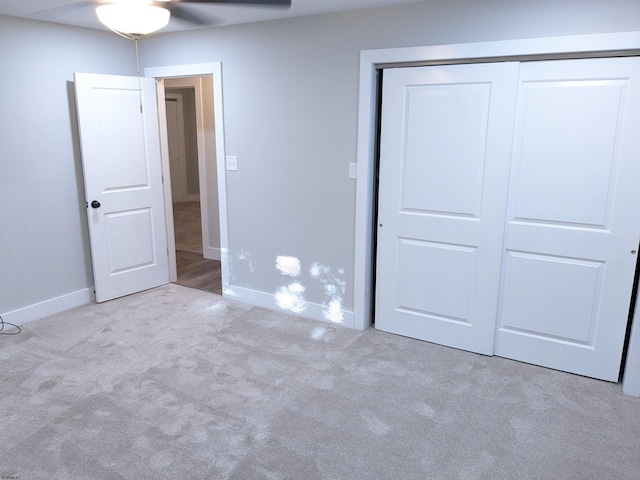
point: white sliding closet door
(508, 209)
(573, 225)
(444, 168)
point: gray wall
(44, 249)
(290, 100)
(290, 105)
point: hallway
(194, 270)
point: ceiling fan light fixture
(133, 18)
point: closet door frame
(373, 62)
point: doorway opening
(204, 185)
(193, 269)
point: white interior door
(119, 137)
(573, 228)
(444, 163)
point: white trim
(365, 192)
(215, 70)
(313, 311)
(218, 121)
(188, 70)
(571, 45)
(371, 60)
(50, 307)
(203, 161)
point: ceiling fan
(133, 18)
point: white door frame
(371, 61)
(197, 70)
(178, 98)
(204, 158)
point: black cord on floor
(3, 323)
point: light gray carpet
(187, 226)
(175, 383)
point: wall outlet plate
(353, 169)
(232, 163)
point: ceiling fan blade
(255, 3)
(64, 9)
(183, 14)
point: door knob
(95, 204)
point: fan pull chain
(135, 39)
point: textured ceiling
(81, 13)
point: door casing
(196, 70)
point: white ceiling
(67, 11)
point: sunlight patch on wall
(291, 297)
(333, 311)
(247, 259)
(334, 289)
(239, 264)
(289, 266)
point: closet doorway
(372, 64)
(507, 209)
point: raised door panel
(567, 152)
(538, 301)
(436, 291)
(130, 239)
(119, 127)
(445, 147)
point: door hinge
(140, 108)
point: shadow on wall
(77, 160)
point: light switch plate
(232, 163)
(352, 170)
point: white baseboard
(211, 253)
(313, 311)
(49, 307)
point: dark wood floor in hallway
(195, 271)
